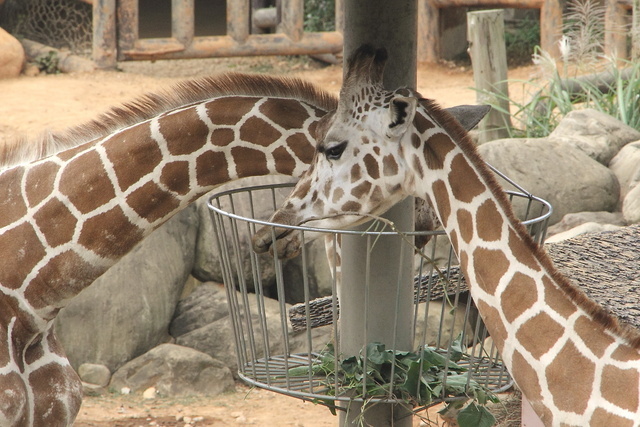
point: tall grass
(615, 90)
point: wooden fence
(429, 18)
(115, 33)
(115, 30)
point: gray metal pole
(387, 315)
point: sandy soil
(31, 105)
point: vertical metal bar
(238, 19)
(104, 33)
(182, 20)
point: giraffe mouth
(263, 240)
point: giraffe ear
(402, 109)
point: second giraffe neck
(82, 209)
(552, 338)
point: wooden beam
(104, 49)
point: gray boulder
(216, 338)
(599, 135)
(174, 371)
(586, 228)
(127, 311)
(572, 220)
(12, 55)
(560, 173)
(626, 166)
(631, 206)
(206, 304)
(94, 374)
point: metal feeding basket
(285, 333)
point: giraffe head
(360, 164)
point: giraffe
(574, 362)
(73, 204)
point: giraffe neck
(567, 355)
(65, 219)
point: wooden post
(635, 31)
(238, 20)
(182, 20)
(428, 31)
(104, 33)
(489, 58)
(292, 18)
(378, 307)
(615, 36)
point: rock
(174, 371)
(599, 135)
(217, 339)
(127, 311)
(95, 374)
(150, 393)
(93, 390)
(206, 304)
(575, 219)
(557, 172)
(626, 166)
(587, 227)
(631, 206)
(12, 56)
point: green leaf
(475, 416)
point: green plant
(521, 40)
(414, 378)
(615, 91)
(319, 15)
(48, 62)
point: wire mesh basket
(291, 349)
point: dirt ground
(32, 105)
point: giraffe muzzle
(286, 244)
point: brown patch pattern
(441, 200)
(465, 224)
(227, 111)
(592, 336)
(519, 295)
(131, 162)
(361, 190)
(184, 132)
(356, 173)
(555, 298)
(532, 337)
(287, 113)
(527, 378)
(12, 205)
(39, 183)
(389, 165)
(96, 188)
(492, 319)
(56, 222)
(490, 265)
(22, 250)
(523, 251)
(304, 152)
(436, 149)
(601, 417)
(489, 221)
(259, 132)
(371, 164)
(152, 202)
(222, 137)
(175, 176)
(109, 234)
(464, 181)
(249, 162)
(570, 367)
(615, 380)
(212, 169)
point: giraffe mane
(150, 105)
(611, 323)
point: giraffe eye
(335, 152)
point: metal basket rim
(537, 219)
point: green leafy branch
(418, 379)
